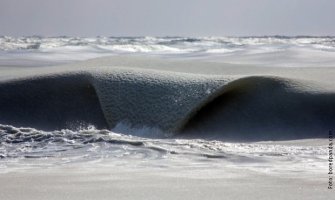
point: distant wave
(164, 44)
(189, 105)
(303, 51)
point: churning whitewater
(23, 148)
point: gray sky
(167, 17)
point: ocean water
(28, 147)
(272, 50)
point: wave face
(242, 107)
(270, 50)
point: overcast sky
(167, 17)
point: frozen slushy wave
(28, 147)
(235, 107)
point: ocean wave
(131, 111)
(235, 107)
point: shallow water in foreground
(26, 148)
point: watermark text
(330, 160)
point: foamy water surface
(25, 148)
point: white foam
(24, 148)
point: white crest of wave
(146, 132)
